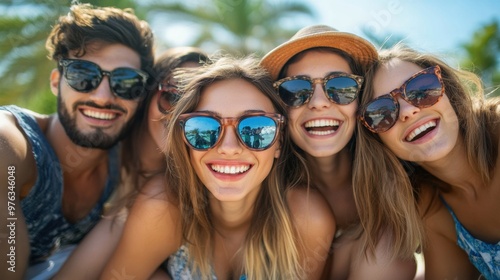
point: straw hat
(318, 36)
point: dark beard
(95, 140)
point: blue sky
(438, 26)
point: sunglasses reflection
(254, 132)
(85, 76)
(422, 90)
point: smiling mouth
(99, 115)
(421, 131)
(230, 169)
(322, 127)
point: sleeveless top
(42, 208)
(179, 266)
(484, 256)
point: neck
(151, 157)
(331, 173)
(231, 216)
(74, 159)
(454, 169)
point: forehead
(233, 97)
(110, 56)
(318, 63)
(392, 75)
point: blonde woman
(434, 118)
(223, 211)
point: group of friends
(365, 158)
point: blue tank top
(484, 256)
(42, 208)
(179, 266)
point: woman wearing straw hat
(319, 74)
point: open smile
(421, 131)
(98, 115)
(322, 127)
(230, 169)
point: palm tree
(483, 55)
(240, 26)
(24, 27)
(243, 25)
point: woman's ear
(55, 78)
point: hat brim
(358, 48)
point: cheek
(297, 135)
(294, 121)
(155, 123)
(153, 107)
(449, 115)
(157, 130)
(266, 159)
(349, 112)
(195, 158)
(131, 108)
(391, 141)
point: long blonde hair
(388, 186)
(272, 248)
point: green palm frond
(235, 26)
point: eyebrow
(337, 72)
(244, 112)
(326, 75)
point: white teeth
(99, 115)
(326, 132)
(230, 169)
(322, 123)
(419, 130)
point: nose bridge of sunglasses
(102, 79)
(230, 124)
(229, 135)
(321, 96)
(400, 97)
(106, 73)
(397, 94)
(317, 81)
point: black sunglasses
(257, 131)
(85, 76)
(340, 88)
(168, 95)
(421, 90)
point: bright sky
(438, 26)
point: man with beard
(57, 171)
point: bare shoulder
(444, 259)
(435, 215)
(155, 186)
(153, 231)
(11, 136)
(310, 210)
(310, 202)
(381, 264)
(315, 224)
(156, 190)
(15, 149)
